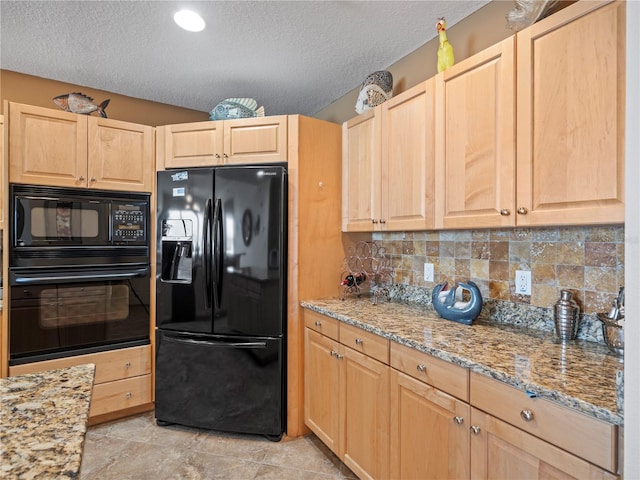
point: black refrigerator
(221, 298)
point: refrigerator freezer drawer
(221, 383)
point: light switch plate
(428, 272)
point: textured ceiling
(293, 57)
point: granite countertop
(578, 374)
(43, 421)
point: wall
(632, 245)
(589, 261)
(31, 90)
(485, 27)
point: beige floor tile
(136, 448)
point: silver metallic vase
(565, 316)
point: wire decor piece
(366, 268)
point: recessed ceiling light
(189, 20)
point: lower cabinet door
(429, 431)
(500, 450)
(364, 414)
(321, 387)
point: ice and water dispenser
(177, 250)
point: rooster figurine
(445, 50)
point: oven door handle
(45, 279)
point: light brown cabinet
(475, 140)
(3, 193)
(436, 419)
(430, 416)
(388, 162)
(539, 431)
(122, 379)
(223, 142)
(569, 150)
(50, 147)
(570, 116)
(347, 396)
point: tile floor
(135, 448)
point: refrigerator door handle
(207, 253)
(218, 249)
(210, 343)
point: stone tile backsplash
(589, 261)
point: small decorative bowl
(613, 334)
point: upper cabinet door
(361, 172)
(255, 140)
(47, 147)
(120, 155)
(475, 140)
(197, 144)
(2, 174)
(408, 159)
(571, 94)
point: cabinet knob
(339, 356)
(475, 430)
(526, 415)
(128, 395)
(421, 367)
(382, 220)
(318, 323)
(127, 365)
(458, 420)
(333, 353)
(373, 220)
(217, 155)
(92, 179)
(522, 211)
(505, 212)
(81, 178)
(359, 341)
(225, 155)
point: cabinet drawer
(368, 343)
(120, 394)
(321, 323)
(111, 365)
(584, 436)
(441, 374)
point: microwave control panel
(129, 222)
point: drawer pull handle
(458, 420)
(318, 323)
(421, 367)
(505, 212)
(475, 430)
(526, 415)
(359, 341)
(128, 395)
(127, 365)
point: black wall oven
(79, 272)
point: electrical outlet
(523, 282)
(428, 272)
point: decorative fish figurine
(451, 306)
(79, 103)
(445, 50)
(236, 108)
(376, 88)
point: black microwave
(76, 226)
